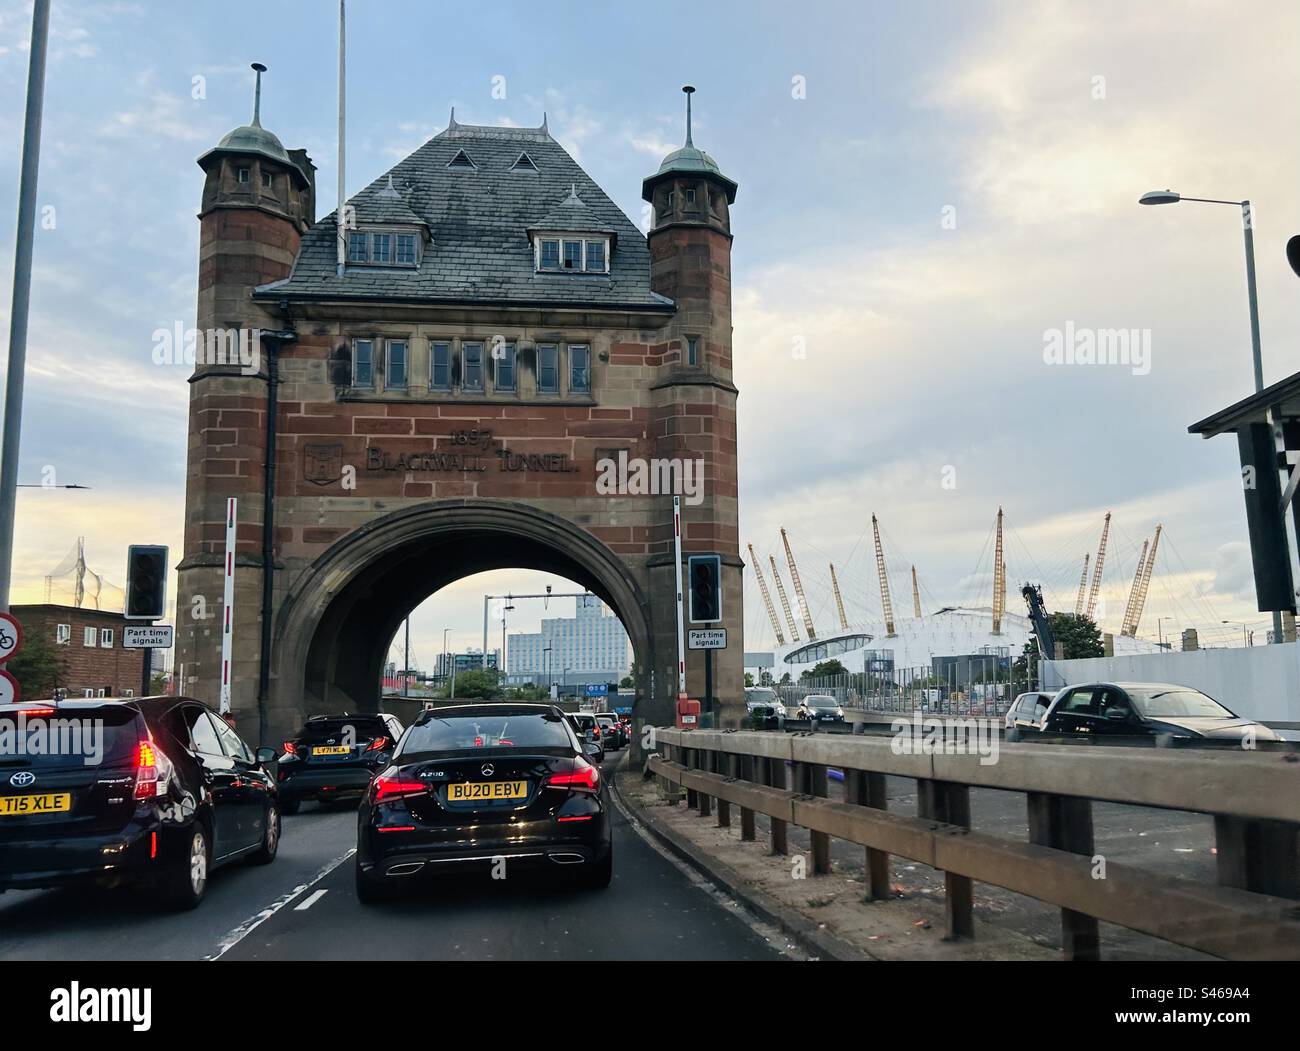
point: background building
(588, 647)
(87, 644)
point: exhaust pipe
(405, 868)
(567, 859)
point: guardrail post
(815, 784)
(704, 802)
(776, 779)
(1065, 823)
(721, 765)
(1263, 856)
(689, 760)
(743, 767)
(949, 802)
(868, 789)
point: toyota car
(151, 792)
(335, 757)
(482, 788)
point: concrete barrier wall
(1257, 682)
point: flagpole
(339, 216)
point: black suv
(156, 791)
(335, 757)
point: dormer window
(461, 162)
(572, 255)
(391, 248)
(244, 175)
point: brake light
(582, 778)
(29, 713)
(290, 748)
(387, 787)
(378, 744)
(595, 732)
(149, 781)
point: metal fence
(989, 693)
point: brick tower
(258, 201)
(695, 418)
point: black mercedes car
(486, 788)
(151, 791)
(1148, 709)
(335, 757)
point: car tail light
(30, 713)
(290, 748)
(387, 787)
(378, 744)
(595, 732)
(582, 778)
(151, 771)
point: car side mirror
(593, 750)
(265, 756)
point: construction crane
(1096, 568)
(839, 600)
(1083, 587)
(785, 602)
(886, 606)
(1033, 596)
(999, 581)
(767, 597)
(1132, 591)
(1140, 599)
(798, 589)
(916, 596)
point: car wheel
(265, 854)
(186, 880)
(598, 876)
(290, 806)
(369, 890)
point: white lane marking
(309, 902)
(253, 922)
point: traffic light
(705, 573)
(146, 582)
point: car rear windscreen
(70, 738)
(363, 728)
(469, 732)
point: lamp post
(1159, 633)
(1245, 640)
(547, 651)
(1153, 197)
(444, 653)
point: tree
(1079, 637)
(749, 680)
(158, 683)
(785, 679)
(628, 683)
(477, 682)
(38, 667)
(825, 670)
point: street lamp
(444, 652)
(1170, 197)
(1160, 634)
(547, 651)
(1245, 640)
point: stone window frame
(570, 348)
(512, 348)
(450, 344)
(356, 340)
(394, 231)
(481, 344)
(554, 392)
(388, 363)
(692, 347)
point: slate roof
(478, 220)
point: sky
(927, 190)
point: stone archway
(337, 619)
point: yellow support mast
(839, 600)
(785, 602)
(798, 588)
(999, 582)
(1096, 568)
(1083, 587)
(916, 596)
(1133, 590)
(886, 604)
(1140, 600)
(767, 597)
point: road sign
(596, 689)
(8, 688)
(707, 639)
(11, 636)
(147, 636)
